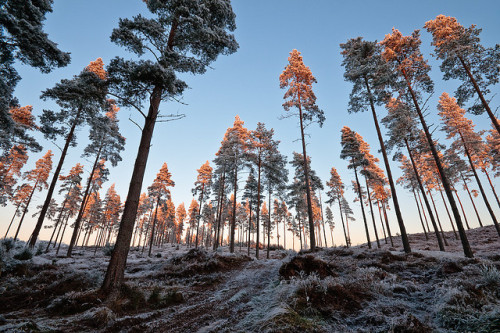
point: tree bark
(25, 210)
(116, 268)
(420, 214)
(371, 211)
(472, 200)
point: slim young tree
(336, 192)
(202, 186)
(403, 53)
(181, 37)
(464, 58)
(299, 79)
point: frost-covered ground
(333, 290)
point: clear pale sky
(246, 84)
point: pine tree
(106, 143)
(365, 68)
(38, 176)
(250, 194)
(183, 37)
(68, 182)
(299, 79)
(22, 39)
(179, 225)
(464, 58)
(351, 150)
(336, 192)
(403, 53)
(202, 186)
(232, 153)
(193, 211)
(331, 222)
(458, 127)
(80, 99)
(160, 192)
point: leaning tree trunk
(387, 224)
(446, 184)
(83, 205)
(437, 216)
(472, 200)
(423, 212)
(491, 185)
(463, 210)
(420, 215)
(381, 221)
(362, 208)
(257, 214)
(322, 218)
(447, 211)
(116, 268)
(55, 176)
(12, 220)
(480, 94)
(402, 228)
(427, 204)
(371, 211)
(25, 210)
(343, 226)
(483, 194)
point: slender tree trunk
(12, 220)
(55, 176)
(153, 230)
(368, 197)
(447, 211)
(481, 189)
(25, 210)
(249, 224)
(257, 214)
(83, 205)
(233, 219)
(300, 231)
(308, 189)
(381, 221)
(446, 184)
(480, 94)
(437, 216)
(423, 211)
(387, 224)
(399, 216)
(219, 208)
(59, 231)
(62, 234)
(420, 215)
(491, 185)
(472, 200)
(116, 268)
(427, 204)
(347, 242)
(360, 195)
(269, 224)
(199, 215)
(322, 218)
(463, 210)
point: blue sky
(246, 84)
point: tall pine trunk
(446, 184)
(257, 214)
(480, 94)
(308, 189)
(420, 214)
(427, 204)
(360, 195)
(116, 268)
(199, 216)
(233, 219)
(25, 210)
(347, 242)
(402, 228)
(371, 211)
(472, 200)
(55, 177)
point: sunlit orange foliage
(97, 67)
(179, 224)
(22, 115)
(444, 29)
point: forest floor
(336, 289)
